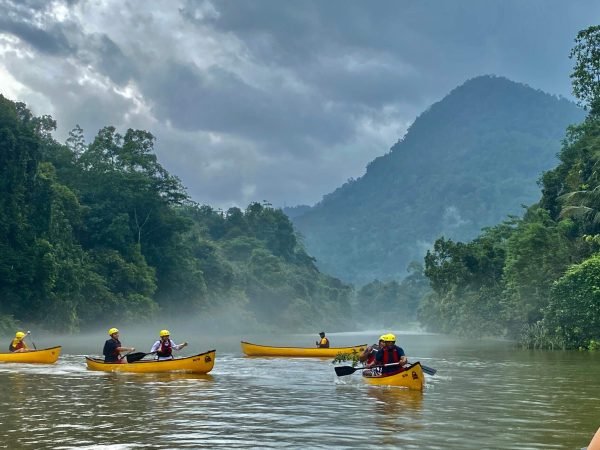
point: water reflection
(396, 414)
(391, 400)
(158, 377)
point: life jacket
(15, 345)
(324, 343)
(391, 355)
(165, 350)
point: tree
(573, 313)
(586, 73)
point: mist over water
(220, 329)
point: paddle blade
(428, 370)
(133, 357)
(345, 370)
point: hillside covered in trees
(466, 163)
(536, 278)
(97, 234)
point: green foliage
(352, 357)
(467, 284)
(573, 312)
(537, 336)
(100, 232)
(538, 252)
(586, 73)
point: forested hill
(100, 234)
(466, 163)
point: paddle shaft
(123, 356)
(31, 339)
(348, 370)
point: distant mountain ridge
(467, 162)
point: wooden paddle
(349, 370)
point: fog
(200, 338)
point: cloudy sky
(276, 100)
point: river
(485, 395)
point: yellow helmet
(383, 337)
(164, 333)
(112, 331)
(389, 337)
(19, 335)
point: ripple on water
(473, 402)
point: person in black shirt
(113, 348)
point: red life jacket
(371, 357)
(165, 350)
(391, 355)
(14, 347)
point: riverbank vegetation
(100, 233)
(536, 278)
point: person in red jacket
(18, 345)
(368, 356)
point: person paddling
(18, 344)
(113, 348)
(164, 346)
(323, 342)
(390, 353)
(368, 356)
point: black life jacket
(165, 350)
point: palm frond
(575, 212)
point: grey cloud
(101, 51)
(301, 95)
(51, 41)
(218, 100)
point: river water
(485, 395)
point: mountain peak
(466, 162)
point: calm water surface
(486, 395)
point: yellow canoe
(201, 363)
(42, 356)
(412, 377)
(265, 350)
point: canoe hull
(299, 352)
(42, 356)
(412, 378)
(201, 363)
